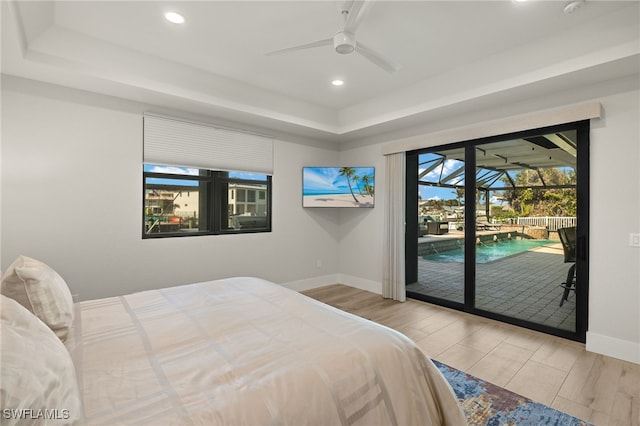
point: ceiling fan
(344, 41)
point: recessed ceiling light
(174, 17)
(337, 82)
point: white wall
(72, 197)
(614, 292)
(361, 230)
(614, 296)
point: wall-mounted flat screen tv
(338, 186)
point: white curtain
(393, 279)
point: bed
(244, 351)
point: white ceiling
(453, 54)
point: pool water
(490, 251)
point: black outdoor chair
(568, 240)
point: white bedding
(243, 351)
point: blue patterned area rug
(487, 404)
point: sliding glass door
(441, 230)
(502, 227)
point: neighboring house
(243, 200)
(247, 200)
(181, 204)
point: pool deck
(524, 286)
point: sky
(431, 192)
(444, 170)
(447, 167)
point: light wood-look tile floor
(547, 369)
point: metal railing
(550, 222)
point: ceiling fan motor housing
(344, 42)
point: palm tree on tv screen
(348, 172)
(366, 181)
(357, 179)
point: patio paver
(524, 286)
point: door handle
(581, 248)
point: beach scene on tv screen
(338, 186)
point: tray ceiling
(454, 55)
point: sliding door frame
(582, 234)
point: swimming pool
(488, 252)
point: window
(181, 201)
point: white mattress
(244, 351)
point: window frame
(216, 198)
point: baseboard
(613, 347)
(361, 283)
(315, 282)
(325, 280)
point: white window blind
(173, 142)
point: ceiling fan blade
(357, 12)
(386, 64)
(325, 42)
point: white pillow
(41, 290)
(38, 382)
